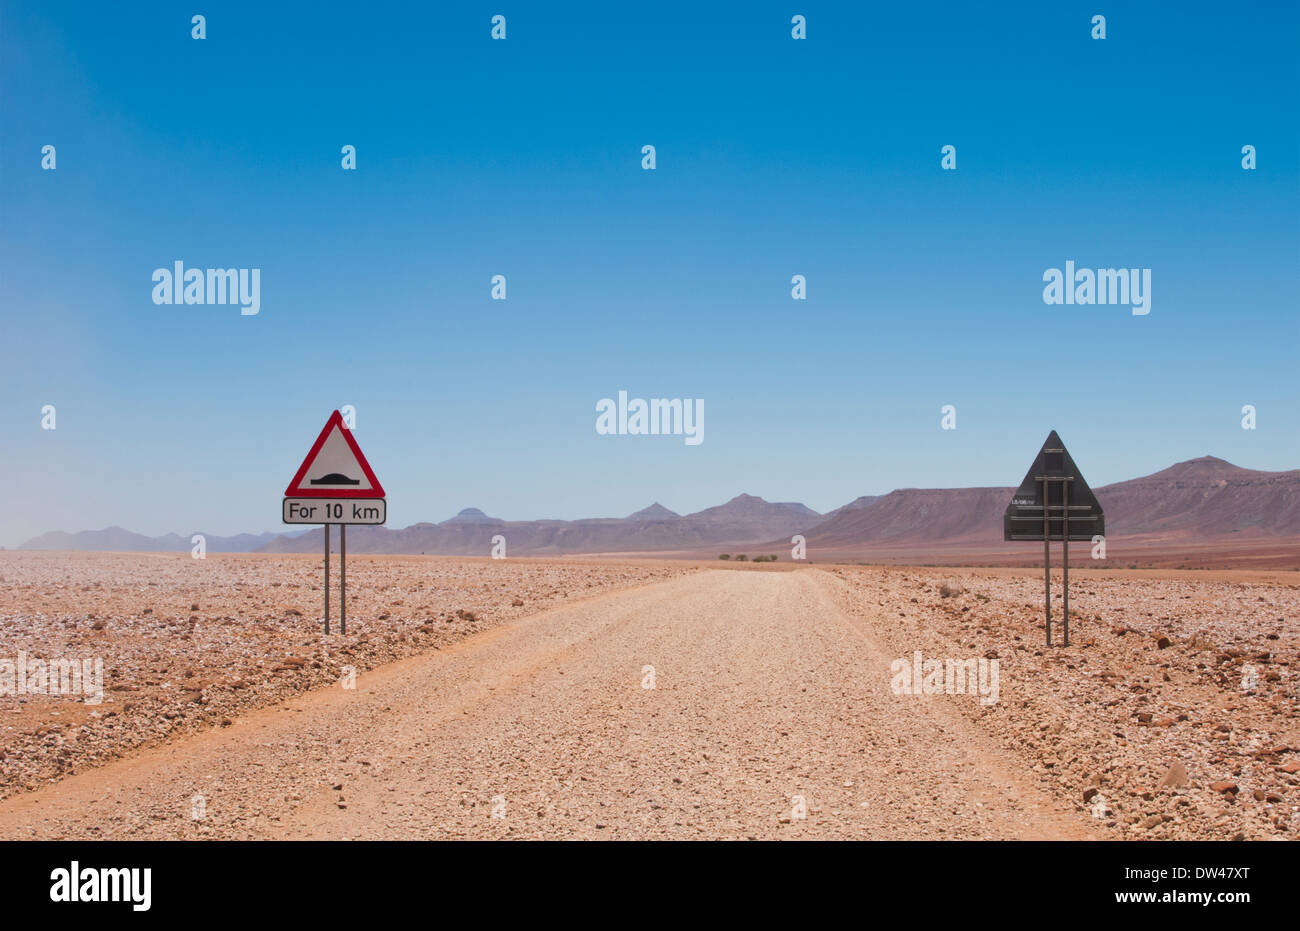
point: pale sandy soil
(187, 644)
(769, 717)
(772, 713)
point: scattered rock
(1175, 777)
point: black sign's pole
(1065, 557)
(343, 579)
(327, 580)
(1047, 565)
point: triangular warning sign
(335, 467)
(1053, 495)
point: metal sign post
(1064, 536)
(1047, 568)
(335, 485)
(1035, 514)
(327, 580)
(1065, 559)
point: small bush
(742, 558)
(724, 556)
(950, 591)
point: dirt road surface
(768, 703)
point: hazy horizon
(290, 530)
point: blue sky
(522, 157)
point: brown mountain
(1200, 499)
(917, 515)
(859, 502)
(655, 511)
(1205, 498)
(472, 516)
(754, 512)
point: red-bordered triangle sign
(335, 467)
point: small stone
(1175, 777)
(1225, 787)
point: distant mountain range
(120, 540)
(743, 519)
(1201, 500)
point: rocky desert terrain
(590, 699)
(189, 643)
(1174, 713)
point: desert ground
(621, 698)
(1150, 551)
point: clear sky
(522, 157)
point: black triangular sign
(1068, 500)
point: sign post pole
(327, 580)
(1065, 558)
(343, 579)
(1047, 566)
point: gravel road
(771, 716)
